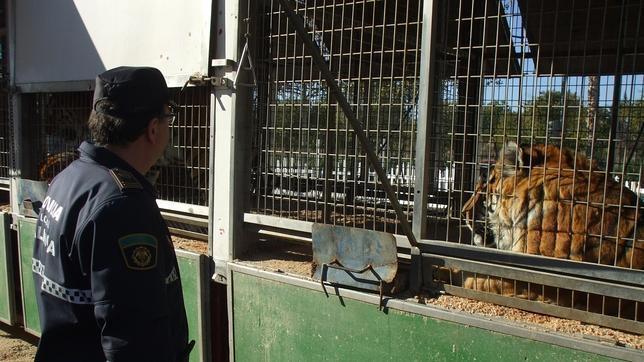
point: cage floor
(195, 246)
(533, 320)
(280, 256)
(296, 259)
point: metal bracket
(201, 80)
(245, 55)
(335, 264)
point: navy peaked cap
(131, 92)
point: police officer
(107, 280)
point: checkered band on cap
(74, 296)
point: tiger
(546, 200)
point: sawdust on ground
(16, 345)
(280, 256)
(195, 246)
(535, 321)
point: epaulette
(125, 180)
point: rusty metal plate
(355, 249)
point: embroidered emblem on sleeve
(125, 180)
(139, 251)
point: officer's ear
(152, 130)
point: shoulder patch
(125, 180)
(139, 251)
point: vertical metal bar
(617, 89)
(301, 149)
(320, 176)
(226, 138)
(361, 91)
(379, 107)
(330, 144)
(452, 134)
(392, 84)
(266, 173)
(338, 115)
(15, 106)
(369, 117)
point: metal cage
(54, 125)
(183, 173)
(515, 86)
(307, 164)
(57, 124)
(548, 95)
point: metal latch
(227, 63)
(201, 80)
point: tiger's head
(474, 211)
(513, 163)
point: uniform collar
(107, 158)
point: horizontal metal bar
(535, 262)
(537, 277)
(188, 234)
(181, 207)
(83, 85)
(550, 309)
(300, 226)
(186, 219)
(278, 222)
(188, 255)
(499, 324)
(55, 87)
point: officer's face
(166, 120)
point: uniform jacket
(107, 279)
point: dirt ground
(16, 345)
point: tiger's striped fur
(547, 201)
(544, 200)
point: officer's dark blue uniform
(106, 274)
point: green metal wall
(7, 291)
(26, 235)
(277, 321)
(194, 280)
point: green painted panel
(189, 268)
(27, 233)
(7, 311)
(275, 321)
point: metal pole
(425, 113)
(298, 24)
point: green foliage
(553, 117)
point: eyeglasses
(170, 117)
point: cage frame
(433, 250)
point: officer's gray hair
(109, 130)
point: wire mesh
(307, 164)
(5, 133)
(184, 170)
(55, 124)
(537, 136)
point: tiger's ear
(511, 158)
